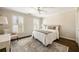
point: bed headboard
(53, 27)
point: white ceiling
(46, 10)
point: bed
(47, 35)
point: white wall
(28, 20)
(67, 22)
(65, 19)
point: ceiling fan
(41, 10)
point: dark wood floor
(73, 46)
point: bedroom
(22, 22)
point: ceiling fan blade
(40, 10)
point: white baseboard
(68, 38)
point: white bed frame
(39, 35)
(57, 29)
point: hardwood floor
(73, 46)
(3, 50)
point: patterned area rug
(33, 45)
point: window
(17, 24)
(37, 23)
(21, 24)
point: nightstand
(5, 41)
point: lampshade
(3, 20)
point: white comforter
(45, 36)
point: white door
(77, 26)
(77, 37)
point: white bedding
(45, 36)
